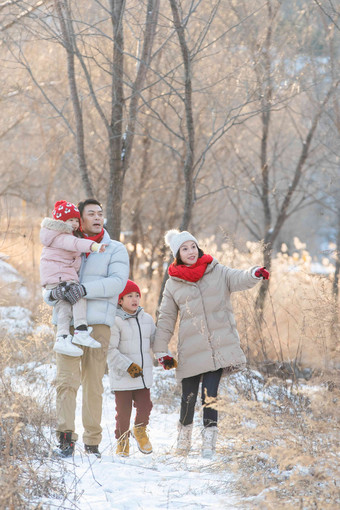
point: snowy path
(157, 481)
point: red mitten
(167, 362)
(262, 272)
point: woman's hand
(262, 273)
(167, 362)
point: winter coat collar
(125, 315)
(57, 225)
(106, 239)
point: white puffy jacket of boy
(132, 337)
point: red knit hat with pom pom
(64, 210)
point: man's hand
(262, 273)
(167, 362)
(74, 292)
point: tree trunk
(272, 233)
(69, 45)
(138, 204)
(120, 142)
(190, 135)
(267, 94)
(188, 168)
(337, 263)
(115, 188)
(143, 66)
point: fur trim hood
(125, 315)
(57, 225)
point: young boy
(130, 369)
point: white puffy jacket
(132, 337)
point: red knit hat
(130, 287)
(64, 210)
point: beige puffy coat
(207, 338)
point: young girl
(59, 265)
(199, 289)
(130, 369)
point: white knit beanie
(174, 239)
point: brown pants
(87, 370)
(141, 401)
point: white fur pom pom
(170, 235)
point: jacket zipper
(206, 321)
(82, 267)
(141, 349)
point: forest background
(219, 117)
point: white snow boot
(64, 345)
(209, 437)
(82, 337)
(184, 439)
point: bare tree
(93, 51)
(327, 7)
(189, 137)
(278, 187)
(119, 136)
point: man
(102, 278)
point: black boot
(66, 445)
(92, 448)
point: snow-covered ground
(160, 480)
(163, 480)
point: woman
(199, 289)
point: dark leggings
(210, 383)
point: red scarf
(97, 238)
(190, 273)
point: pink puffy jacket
(61, 255)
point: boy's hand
(135, 370)
(167, 362)
(262, 272)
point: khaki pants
(87, 370)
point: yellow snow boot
(140, 435)
(123, 446)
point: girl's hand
(74, 292)
(167, 362)
(98, 247)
